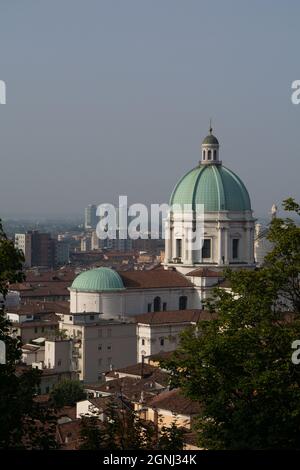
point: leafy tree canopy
(67, 393)
(239, 365)
(23, 423)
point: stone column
(168, 253)
(220, 231)
(226, 238)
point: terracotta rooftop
(50, 319)
(159, 356)
(174, 316)
(137, 370)
(68, 434)
(176, 402)
(131, 388)
(40, 307)
(152, 279)
(205, 272)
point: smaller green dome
(210, 140)
(97, 280)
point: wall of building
(220, 229)
(58, 355)
(131, 301)
(103, 346)
(154, 339)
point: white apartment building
(23, 242)
(99, 345)
(159, 332)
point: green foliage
(123, 429)
(239, 366)
(91, 434)
(67, 393)
(24, 424)
(171, 438)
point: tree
(239, 366)
(23, 423)
(67, 393)
(123, 429)
(171, 438)
(91, 434)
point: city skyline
(74, 136)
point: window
(215, 155)
(164, 306)
(178, 248)
(203, 154)
(206, 248)
(143, 342)
(149, 308)
(182, 302)
(162, 341)
(70, 318)
(99, 362)
(92, 317)
(109, 347)
(209, 155)
(59, 362)
(47, 390)
(99, 347)
(235, 248)
(109, 359)
(157, 304)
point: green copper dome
(99, 279)
(218, 188)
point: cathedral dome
(215, 186)
(97, 280)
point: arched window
(203, 155)
(215, 155)
(182, 302)
(209, 155)
(156, 304)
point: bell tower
(210, 150)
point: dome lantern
(210, 150)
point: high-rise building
(23, 243)
(39, 248)
(90, 217)
(62, 252)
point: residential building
(99, 345)
(159, 332)
(90, 217)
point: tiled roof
(48, 320)
(68, 434)
(205, 272)
(174, 316)
(130, 388)
(176, 402)
(153, 279)
(39, 307)
(136, 370)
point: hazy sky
(114, 97)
